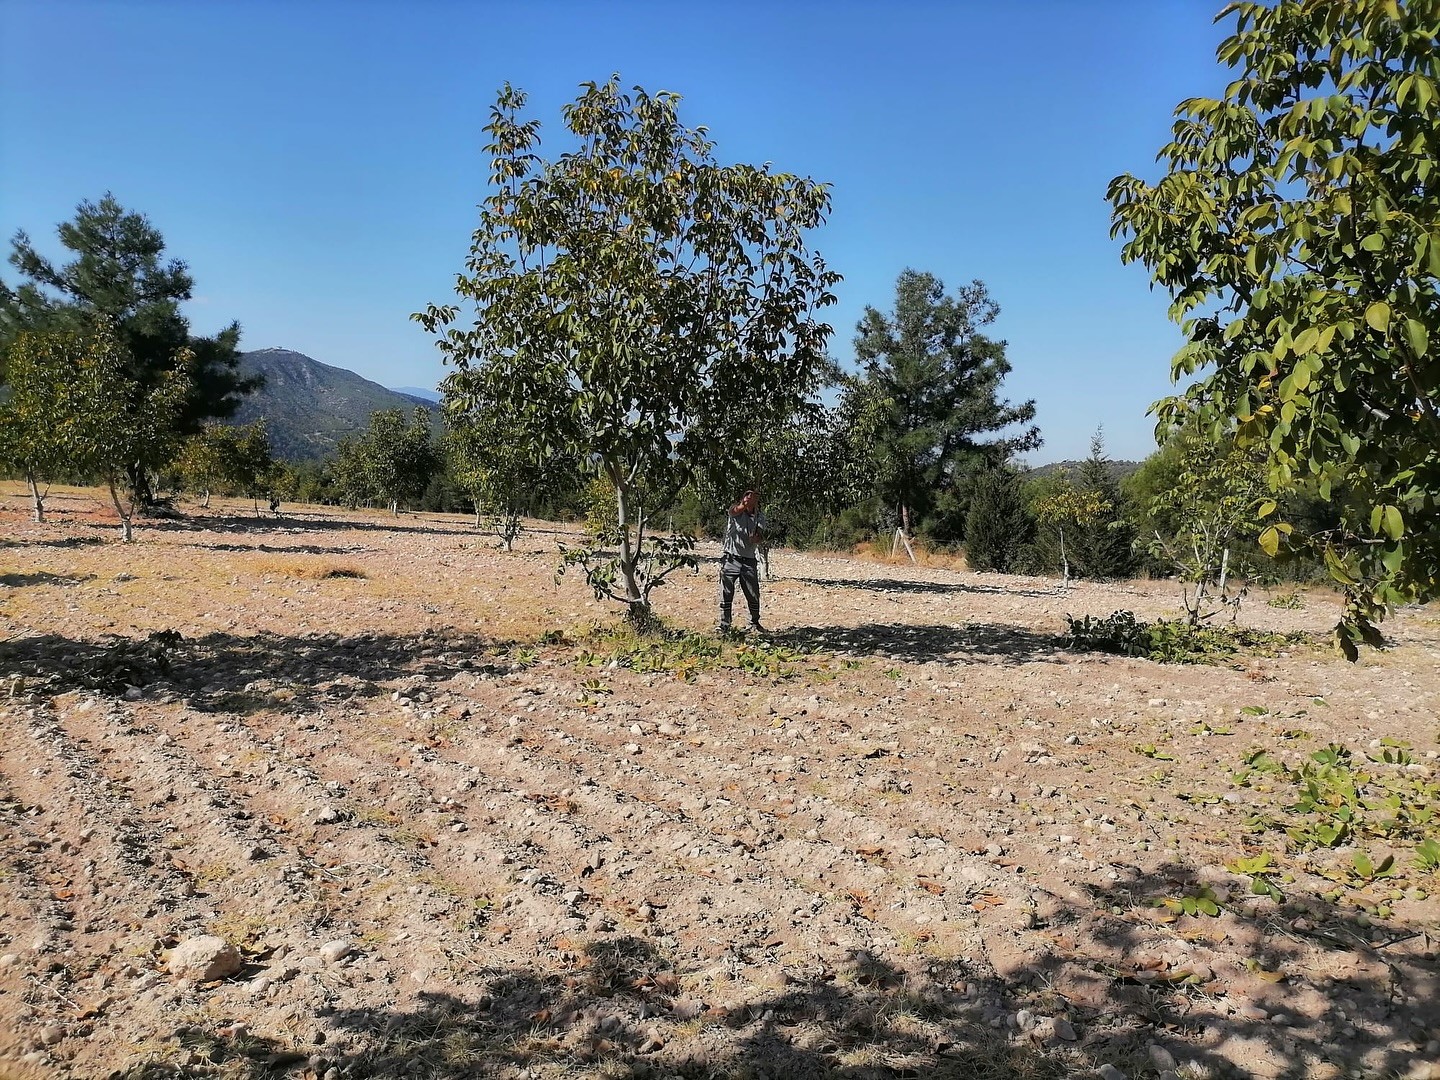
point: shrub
(998, 526)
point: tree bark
(636, 609)
(127, 533)
(35, 494)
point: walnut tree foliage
(1297, 228)
(495, 460)
(639, 305)
(74, 406)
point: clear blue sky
(318, 164)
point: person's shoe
(757, 630)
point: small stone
(328, 815)
(9, 960)
(332, 952)
(50, 1034)
(254, 853)
(1161, 1058)
(133, 693)
(204, 959)
(1064, 1029)
(1110, 1072)
(1252, 1012)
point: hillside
(1119, 470)
(309, 406)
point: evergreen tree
(1103, 545)
(937, 377)
(998, 525)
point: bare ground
(451, 831)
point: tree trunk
(395, 507)
(35, 494)
(127, 533)
(205, 500)
(1064, 562)
(637, 610)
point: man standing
(743, 528)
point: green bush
(1174, 641)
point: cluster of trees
(101, 377)
(637, 333)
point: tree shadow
(903, 585)
(242, 673)
(41, 577)
(619, 1007)
(65, 542)
(281, 549)
(930, 643)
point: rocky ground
(342, 795)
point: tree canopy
(118, 273)
(1297, 228)
(641, 305)
(936, 378)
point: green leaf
(1270, 541)
(1378, 316)
(1393, 523)
(1417, 336)
(1266, 508)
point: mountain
(418, 391)
(308, 407)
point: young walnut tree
(1297, 228)
(639, 305)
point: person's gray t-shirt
(738, 528)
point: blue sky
(318, 164)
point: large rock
(204, 959)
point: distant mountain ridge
(1118, 469)
(308, 407)
(420, 392)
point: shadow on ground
(930, 643)
(241, 673)
(902, 586)
(40, 577)
(615, 1008)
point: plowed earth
(451, 831)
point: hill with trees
(309, 407)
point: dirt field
(445, 829)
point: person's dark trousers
(732, 569)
